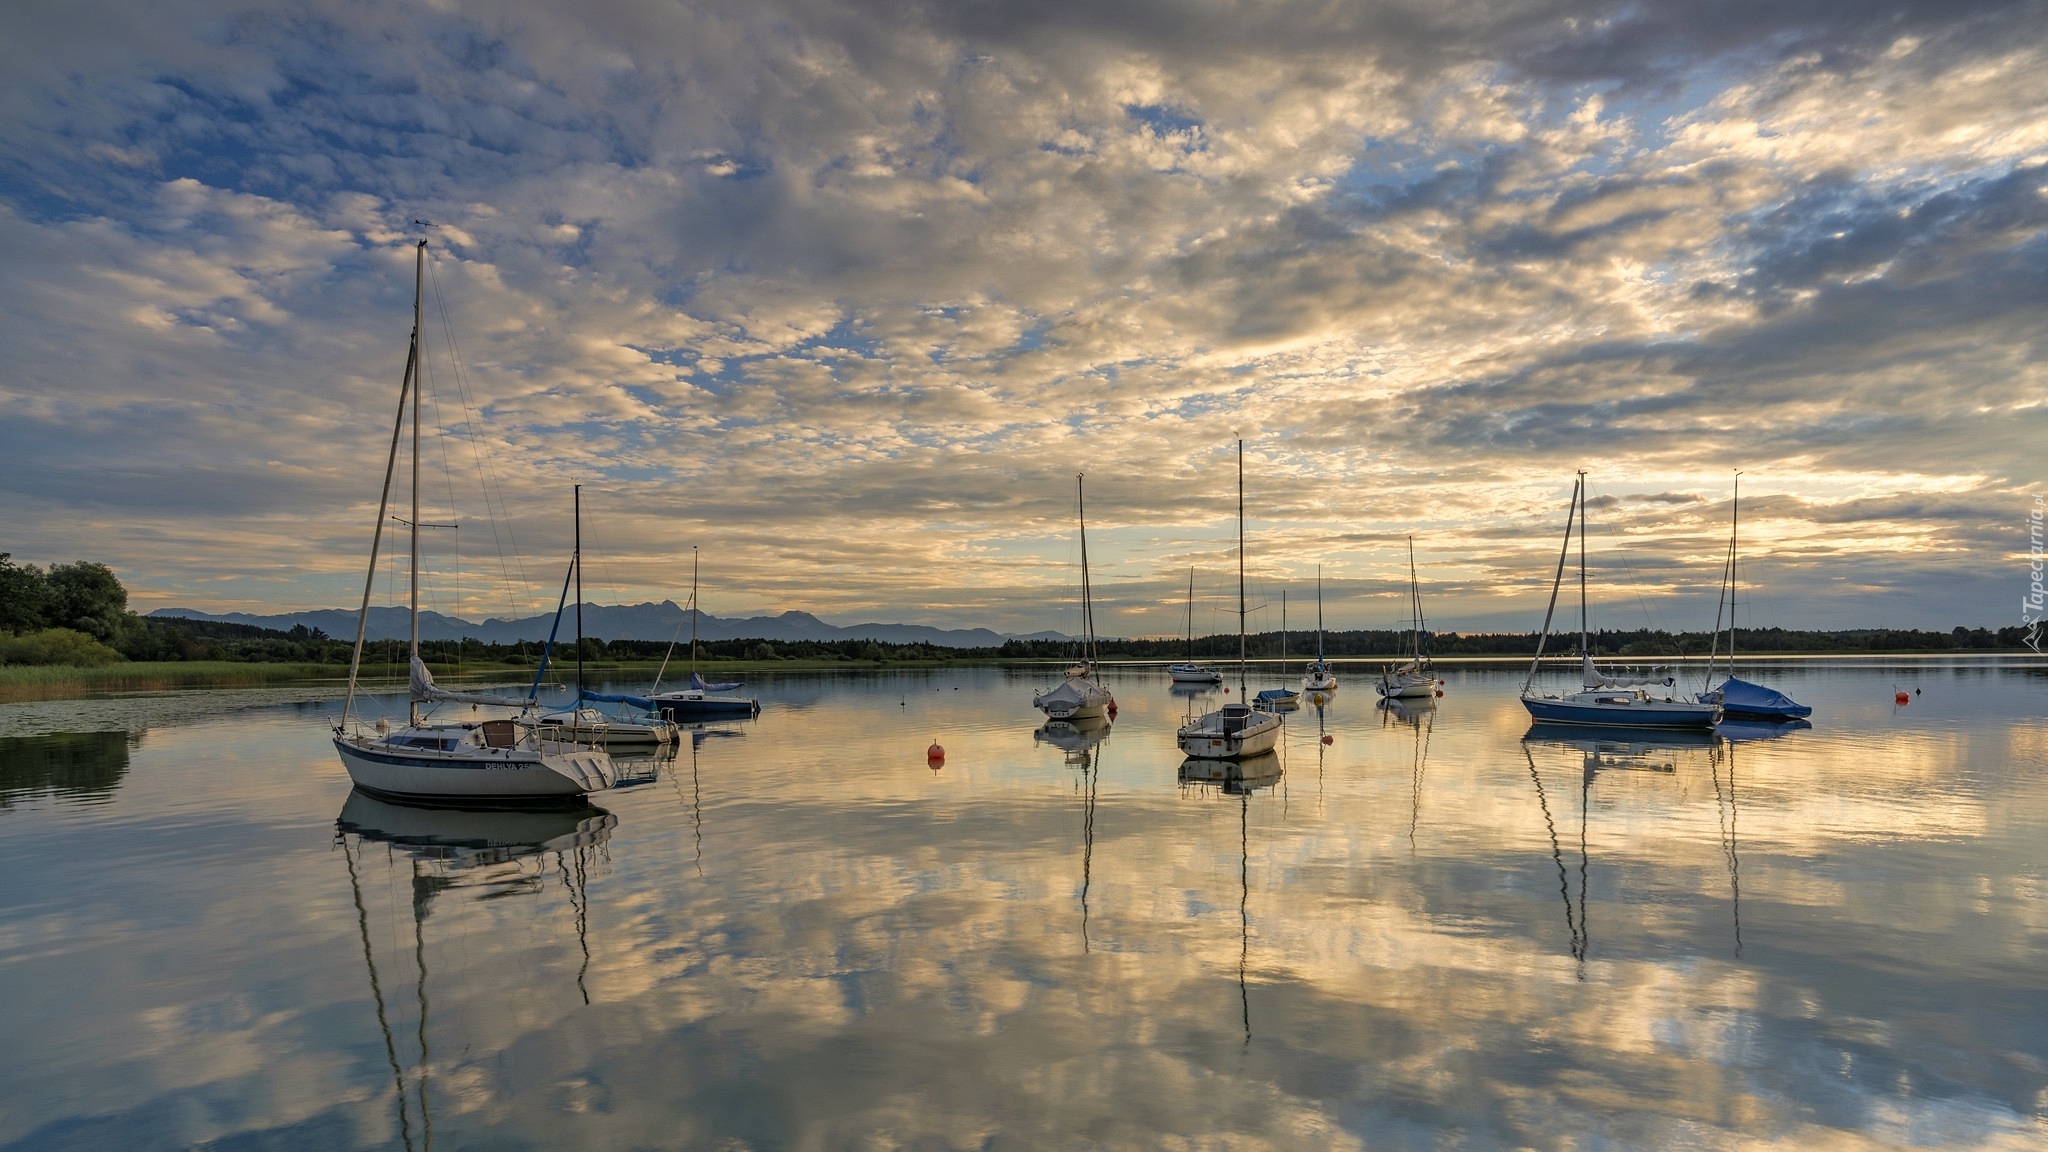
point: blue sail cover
(697, 683)
(640, 702)
(1741, 698)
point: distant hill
(610, 622)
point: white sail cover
(1594, 678)
(424, 691)
(1077, 693)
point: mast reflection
(1600, 750)
(1239, 778)
(449, 848)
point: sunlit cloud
(844, 295)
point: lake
(1425, 931)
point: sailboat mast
(1564, 550)
(695, 612)
(576, 562)
(1087, 594)
(1734, 530)
(1191, 614)
(1240, 570)
(1319, 615)
(355, 660)
(1414, 604)
(419, 349)
(1283, 628)
(1585, 649)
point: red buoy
(1901, 698)
(1112, 708)
(1439, 691)
(1329, 739)
(935, 755)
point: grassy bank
(61, 682)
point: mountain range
(649, 621)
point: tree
(86, 596)
(24, 596)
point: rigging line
(486, 475)
(355, 885)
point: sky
(844, 295)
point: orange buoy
(1901, 698)
(935, 755)
(1329, 739)
(1112, 708)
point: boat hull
(1056, 710)
(1606, 709)
(570, 770)
(1256, 738)
(1194, 674)
(1312, 684)
(681, 706)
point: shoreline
(21, 683)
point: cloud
(846, 293)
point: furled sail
(697, 684)
(424, 691)
(1594, 678)
(641, 702)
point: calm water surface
(1434, 930)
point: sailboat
(700, 698)
(1739, 699)
(1319, 678)
(1080, 697)
(1190, 672)
(1613, 701)
(1279, 698)
(1234, 731)
(496, 759)
(1415, 678)
(591, 725)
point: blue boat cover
(1741, 698)
(1276, 694)
(640, 702)
(697, 683)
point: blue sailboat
(1740, 699)
(700, 698)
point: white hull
(1319, 683)
(1402, 689)
(590, 727)
(555, 770)
(1226, 735)
(1077, 699)
(1194, 674)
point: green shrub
(57, 646)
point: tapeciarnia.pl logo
(2031, 604)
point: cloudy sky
(846, 293)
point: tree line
(77, 614)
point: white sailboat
(587, 725)
(1081, 697)
(491, 759)
(1413, 678)
(1190, 672)
(1611, 701)
(1234, 731)
(1319, 678)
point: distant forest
(77, 614)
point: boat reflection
(1599, 749)
(1233, 777)
(1073, 737)
(447, 848)
(1239, 778)
(1398, 710)
(1734, 730)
